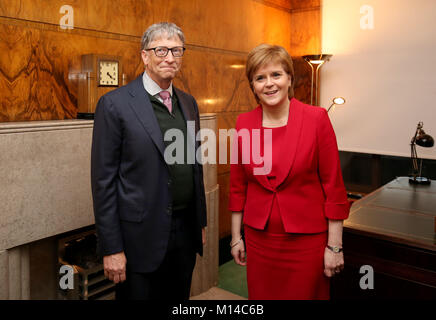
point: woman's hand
(333, 262)
(238, 253)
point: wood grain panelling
(39, 71)
(199, 76)
(305, 32)
(292, 5)
(304, 4)
(279, 4)
(117, 16)
(223, 24)
(302, 79)
(226, 120)
(225, 215)
(231, 25)
(40, 79)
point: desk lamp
(336, 101)
(424, 140)
(316, 60)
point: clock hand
(110, 75)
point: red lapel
(292, 138)
(256, 123)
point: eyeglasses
(163, 51)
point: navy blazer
(130, 179)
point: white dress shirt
(153, 88)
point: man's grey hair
(158, 29)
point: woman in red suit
(293, 212)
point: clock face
(108, 73)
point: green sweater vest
(181, 174)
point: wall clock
(108, 73)
(100, 74)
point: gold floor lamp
(315, 60)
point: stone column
(15, 273)
(206, 269)
(4, 275)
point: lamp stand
(311, 85)
(417, 170)
(317, 83)
(317, 60)
(315, 74)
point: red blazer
(310, 188)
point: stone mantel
(34, 126)
(45, 179)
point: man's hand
(115, 267)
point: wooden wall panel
(225, 218)
(292, 5)
(305, 4)
(234, 25)
(306, 32)
(118, 16)
(39, 80)
(226, 120)
(41, 77)
(221, 84)
(39, 70)
(280, 4)
(302, 79)
(225, 24)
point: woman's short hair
(158, 29)
(266, 53)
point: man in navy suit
(150, 214)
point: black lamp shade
(425, 141)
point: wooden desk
(391, 230)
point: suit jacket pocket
(131, 213)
